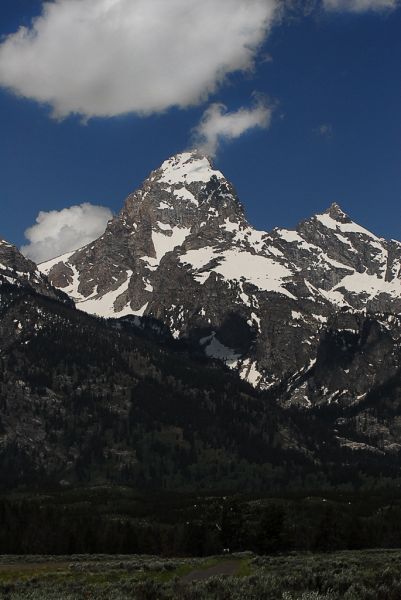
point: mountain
(114, 275)
(182, 252)
(141, 400)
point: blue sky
(332, 80)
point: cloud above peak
(59, 231)
(360, 6)
(218, 125)
(102, 58)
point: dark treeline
(111, 521)
(84, 402)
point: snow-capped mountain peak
(336, 212)
(182, 251)
(336, 219)
(112, 276)
(187, 168)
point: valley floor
(347, 575)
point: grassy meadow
(347, 575)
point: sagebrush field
(362, 575)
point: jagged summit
(184, 182)
(336, 219)
(188, 167)
(335, 212)
(186, 199)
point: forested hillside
(83, 400)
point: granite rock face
(265, 303)
(19, 271)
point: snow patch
(230, 225)
(371, 285)
(45, 267)
(250, 373)
(215, 349)
(184, 194)
(293, 237)
(103, 306)
(264, 273)
(326, 220)
(164, 226)
(189, 168)
(166, 243)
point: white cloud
(56, 232)
(217, 124)
(109, 57)
(359, 6)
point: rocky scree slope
(182, 252)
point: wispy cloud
(109, 57)
(218, 125)
(324, 130)
(301, 8)
(56, 232)
(360, 6)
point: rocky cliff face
(18, 271)
(182, 251)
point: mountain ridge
(19, 271)
(182, 251)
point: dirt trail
(227, 567)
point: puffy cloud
(56, 232)
(359, 6)
(217, 124)
(109, 57)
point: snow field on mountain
(103, 306)
(164, 243)
(264, 273)
(185, 169)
